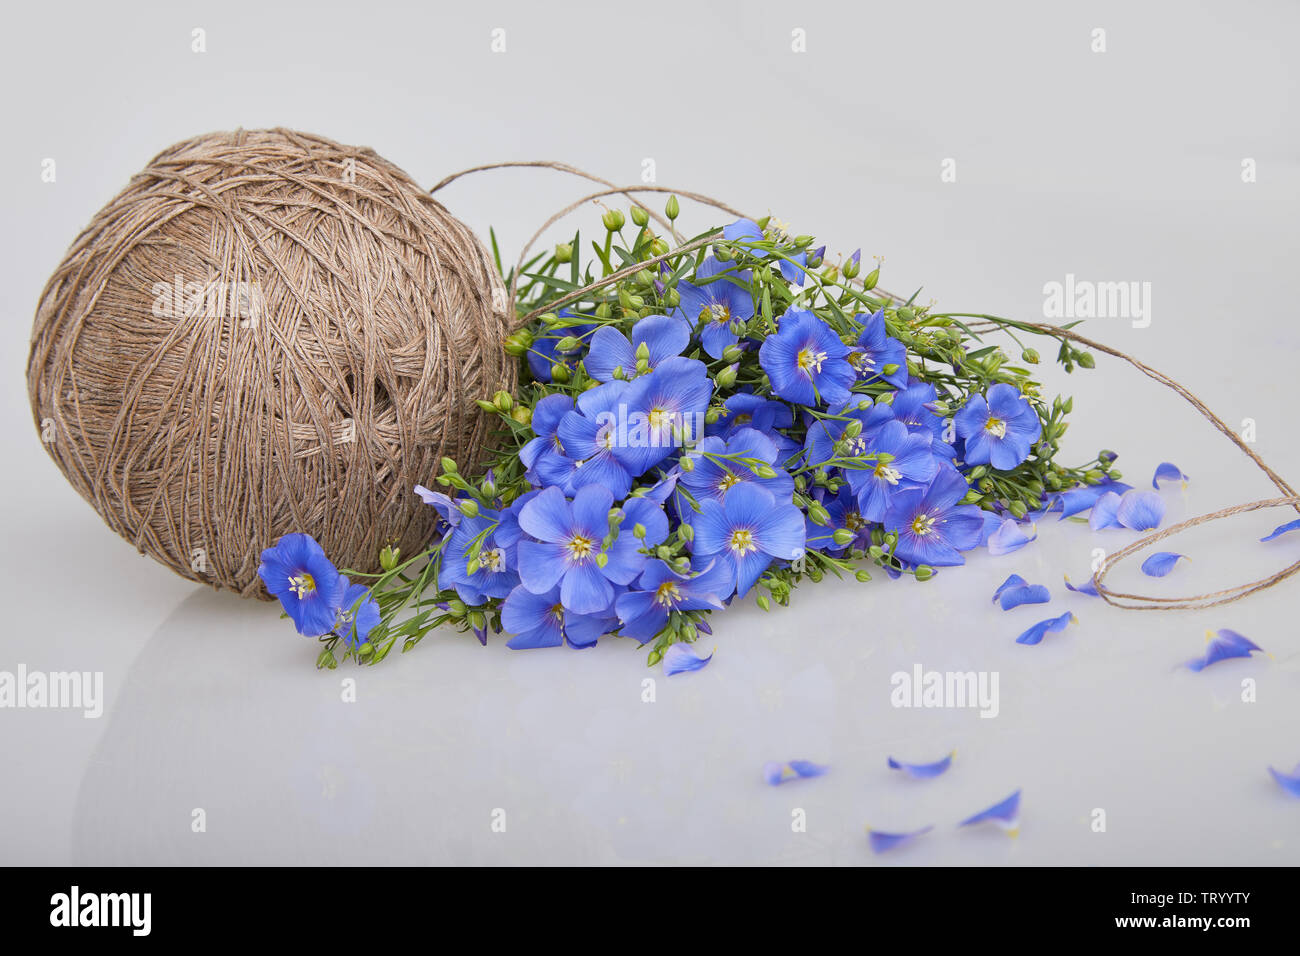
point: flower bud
(863, 576)
(764, 603)
(732, 353)
(854, 428)
(448, 466)
(564, 252)
(388, 557)
(613, 220)
(870, 281)
(686, 532)
(818, 514)
(924, 572)
(567, 344)
(765, 471)
(1017, 509)
(518, 343)
(639, 216)
(1086, 360)
(468, 507)
(503, 400)
(853, 266)
(687, 464)
(842, 536)
(456, 608)
(727, 377)
(1030, 356)
(522, 414)
(559, 372)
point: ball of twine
(266, 332)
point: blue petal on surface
(880, 842)
(1013, 581)
(1168, 471)
(1086, 588)
(1140, 510)
(1223, 646)
(1290, 782)
(1009, 537)
(1005, 814)
(1105, 512)
(1161, 563)
(923, 771)
(1035, 634)
(1282, 529)
(777, 773)
(1025, 594)
(683, 657)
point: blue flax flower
(718, 303)
(716, 471)
(876, 349)
(932, 527)
(913, 406)
(998, 429)
(542, 620)
(663, 410)
(570, 537)
(308, 585)
(644, 610)
(495, 574)
(806, 361)
(547, 414)
(358, 614)
(746, 531)
(590, 435)
(911, 463)
(746, 230)
(662, 335)
(544, 351)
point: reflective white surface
(1116, 166)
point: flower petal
(778, 773)
(1140, 510)
(1086, 588)
(1168, 471)
(1035, 634)
(1223, 646)
(1161, 563)
(923, 771)
(880, 842)
(1009, 537)
(1025, 594)
(1290, 782)
(1282, 529)
(682, 657)
(1006, 814)
(1014, 581)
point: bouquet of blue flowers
(697, 425)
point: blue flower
(495, 574)
(746, 531)
(923, 771)
(358, 614)
(680, 658)
(912, 407)
(590, 436)
(1223, 646)
(824, 433)
(1161, 563)
(711, 478)
(806, 361)
(880, 841)
(1006, 814)
(547, 414)
(745, 410)
(718, 303)
(844, 512)
(746, 230)
(662, 335)
(542, 620)
(876, 349)
(448, 508)
(308, 585)
(664, 410)
(998, 430)
(569, 546)
(911, 463)
(644, 610)
(543, 353)
(1036, 632)
(932, 527)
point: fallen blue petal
(880, 842)
(1283, 529)
(1009, 537)
(1168, 471)
(1141, 510)
(1161, 563)
(1105, 513)
(1081, 499)
(923, 771)
(1026, 594)
(1013, 581)
(777, 773)
(1222, 647)
(1288, 782)
(683, 657)
(1086, 588)
(1036, 633)
(1005, 814)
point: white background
(1123, 166)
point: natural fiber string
(1114, 598)
(209, 432)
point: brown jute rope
(1115, 598)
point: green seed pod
(448, 466)
(503, 400)
(1086, 360)
(1017, 509)
(1030, 356)
(862, 576)
(388, 557)
(559, 373)
(870, 281)
(522, 414)
(567, 344)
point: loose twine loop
(1137, 602)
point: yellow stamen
(302, 585)
(729, 480)
(742, 542)
(810, 360)
(923, 524)
(668, 593)
(580, 547)
(996, 427)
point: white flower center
(810, 360)
(741, 542)
(668, 594)
(923, 524)
(493, 560)
(580, 548)
(886, 473)
(996, 427)
(302, 585)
